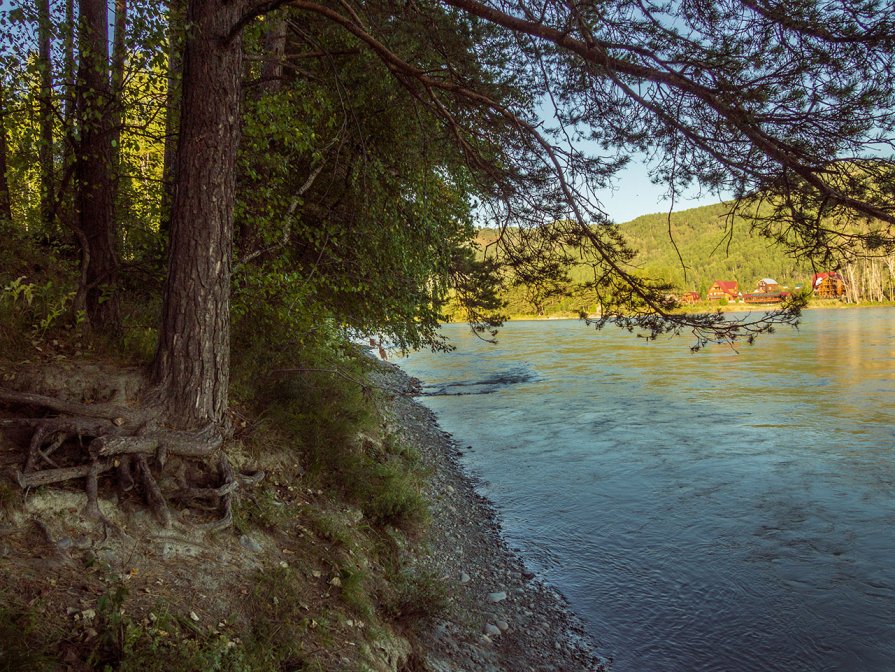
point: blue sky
(636, 195)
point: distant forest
(713, 246)
(710, 245)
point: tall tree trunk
(173, 102)
(45, 150)
(93, 170)
(274, 48)
(5, 199)
(192, 364)
(65, 212)
(119, 57)
(68, 64)
(119, 54)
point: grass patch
(161, 642)
(282, 625)
(356, 594)
(331, 423)
(22, 645)
(260, 509)
(415, 594)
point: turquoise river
(712, 511)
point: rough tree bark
(119, 55)
(5, 199)
(45, 150)
(274, 49)
(93, 171)
(192, 363)
(69, 99)
(68, 64)
(172, 108)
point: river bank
(499, 615)
(702, 307)
(320, 570)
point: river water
(709, 511)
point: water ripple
(702, 513)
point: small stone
(464, 577)
(284, 564)
(88, 614)
(335, 581)
(502, 625)
(194, 616)
(118, 422)
(450, 489)
(250, 544)
(491, 630)
(316, 574)
(498, 596)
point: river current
(712, 511)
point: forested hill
(713, 247)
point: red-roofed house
(828, 285)
(767, 285)
(723, 289)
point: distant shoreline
(705, 308)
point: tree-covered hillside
(713, 246)
(691, 251)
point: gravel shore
(500, 617)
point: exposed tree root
(107, 411)
(154, 496)
(87, 441)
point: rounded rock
(250, 544)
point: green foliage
(416, 594)
(356, 593)
(321, 407)
(325, 416)
(390, 491)
(31, 312)
(367, 223)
